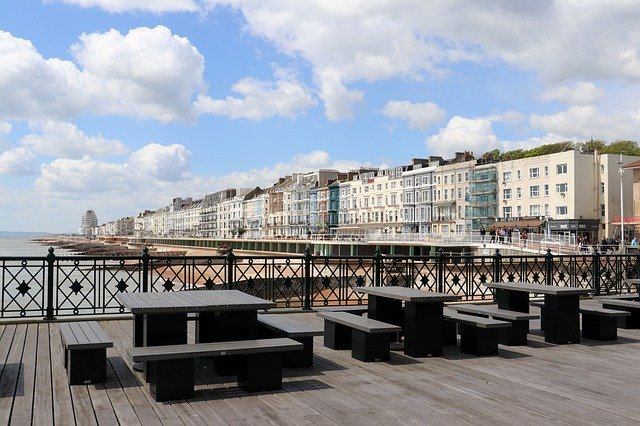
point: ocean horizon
(25, 247)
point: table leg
(561, 319)
(423, 329)
(224, 326)
(163, 329)
(138, 336)
(386, 310)
(512, 300)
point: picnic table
(421, 322)
(561, 310)
(224, 315)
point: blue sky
(120, 105)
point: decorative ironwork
(64, 285)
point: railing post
(377, 269)
(145, 269)
(230, 269)
(548, 268)
(51, 259)
(596, 271)
(497, 266)
(440, 268)
(638, 272)
(307, 280)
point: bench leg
(386, 310)
(163, 329)
(516, 335)
(449, 333)
(596, 327)
(261, 372)
(478, 341)
(86, 366)
(628, 322)
(336, 336)
(301, 358)
(172, 379)
(369, 347)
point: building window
(602, 186)
(459, 177)
(546, 190)
(506, 177)
(466, 176)
(534, 173)
(534, 191)
(519, 211)
(446, 194)
(459, 193)
(561, 210)
(519, 193)
(561, 169)
(518, 175)
(602, 210)
(506, 194)
(534, 210)
(546, 209)
(546, 171)
(446, 179)
(561, 188)
(506, 212)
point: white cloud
(147, 73)
(5, 128)
(119, 6)
(589, 121)
(582, 93)
(420, 116)
(353, 41)
(66, 140)
(17, 161)
(85, 175)
(167, 163)
(463, 134)
(259, 100)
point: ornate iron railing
(55, 286)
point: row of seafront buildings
(566, 192)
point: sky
(121, 105)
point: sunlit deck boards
(593, 382)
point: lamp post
(621, 206)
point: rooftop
(590, 382)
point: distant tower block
(89, 221)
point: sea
(25, 247)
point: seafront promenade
(587, 383)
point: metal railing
(54, 286)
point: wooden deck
(587, 383)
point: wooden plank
(540, 288)
(291, 327)
(493, 311)
(43, 397)
(24, 395)
(193, 350)
(481, 322)
(356, 321)
(11, 373)
(62, 403)
(407, 294)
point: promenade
(587, 383)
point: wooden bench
(368, 339)
(626, 296)
(352, 309)
(85, 351)
(511, 336)
(599, 323)
(632, 306)
(171, 367)
(478, 335)
(283, 325)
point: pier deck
(590, 382)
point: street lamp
(621, 206)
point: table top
(192, 301)
(540, 288)
(407, 294)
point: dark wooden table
(561, 309)
(421, 322)
(224, 315)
